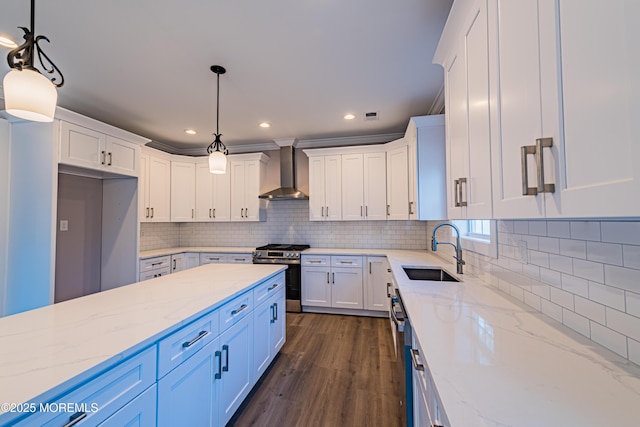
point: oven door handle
(392, 312)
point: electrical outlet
(521, 252)
(64, 225)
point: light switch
(64, 225)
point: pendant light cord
(217, 104)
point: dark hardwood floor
(333, 371)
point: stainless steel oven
(289, 255)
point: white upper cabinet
(352, 187)
(92, 149)
(464, 55)
(247, 172)
(213, 199)
(183, 191)
(154, 186)
(599, 67)
(375, 185)
(397, 180)
(325, 187)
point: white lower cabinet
(332, 281)
(151, 268)
(427, 407)
(178, 262)
(268, 326)
(140, 412)
(377, 283)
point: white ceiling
(143, 65)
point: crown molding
(438, 103)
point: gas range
(278, 254)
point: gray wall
(78, 251)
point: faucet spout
(457, 246)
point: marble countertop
(180, 249)
(497, 362)
(65, 343)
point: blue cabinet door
(140, 412)
(187, 396)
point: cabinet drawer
(155, 273)
(102, 396)
(155, 263)
(234, 310)
(210, 258)
(346, 261)
(239, 258)
(313, 260)
(264, 291)
(184, 343)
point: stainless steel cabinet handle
(239, 259)
(241, 212)
(151, 212)
(322, 211)
(225, 368)
(540, 144)
(411, 208)
(414, 359)
(147, 213)
(524, 151)
(110, 160)
(174, 264)
(366, 211)
(275, 305)
(369, 267)
(239, 309)
(194, 340)
(156, 263)
(246, 212)
(76, 418)
(360, 210)
(333, 278)
(460, 194)
(275, 285)
(327, 211)
(193, 213)
(346, 262)
(388, 293)
(214, 212)
(388, 206)
(455, 193)
(210, 214)
(218, 374)
(327, 277)
(314, 261)
(103, 157)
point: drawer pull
(201, 335)
(346, 262)
(239, 259)
(239, 309)
(218, 374)
(315, 261)
(414, 359)
(225, 368)
(275, 285)
(76, 418)
(153, 264)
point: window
(479, 235)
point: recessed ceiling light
(7, 42)
(190, 131)
(349, 116)
(265, 125)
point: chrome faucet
(457, 246)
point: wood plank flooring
(333, 371)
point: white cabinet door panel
(346, 287)
(352, 187)
(316, 287)
(183, 193)
(398, 183)
(122, 156)
(333, 187)
(375, 186)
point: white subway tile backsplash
(608, 253)
(606, 295)
(552, 310)
(532, 300)
(623, 278)
(551, 277)
(576, 322)
(562, 298)
(573, 248)
(623, 323)
(590, 309)
(521, 227)
(621, 232)
(588, 270)
(549, 244)
(575, 285)
(611, 339)
(634, 350)
(538, 228)
(540, 259)
(561, 263)
(559, 229)
(585, 230)
(631, 256)
(633, 303)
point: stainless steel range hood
(287, 190)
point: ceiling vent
(370, 116)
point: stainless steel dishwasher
(401, 330)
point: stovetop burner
(282, 247)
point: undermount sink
(429, 273)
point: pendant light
(217, 150)
(28, 94)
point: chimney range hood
(287, 190)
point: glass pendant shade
(29, 95)
(217, 162)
